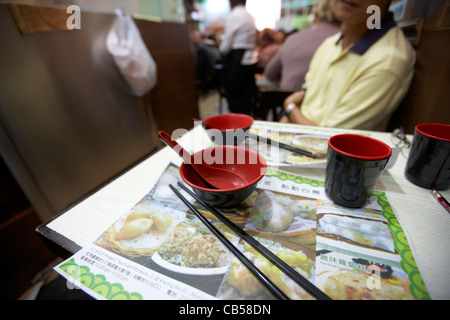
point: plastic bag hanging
(125, 44)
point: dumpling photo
(269, 214)
(369, 233)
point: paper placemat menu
(159, 250)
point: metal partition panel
(68, 121)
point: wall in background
(156, 10)
(428, 23)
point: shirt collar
(373, 35)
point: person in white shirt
(238, 48)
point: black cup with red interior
(428, 163)
(355, 163)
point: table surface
(423, 219)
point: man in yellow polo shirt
(357, 78)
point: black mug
(428, 163)
(355, 163)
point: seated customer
(267, 48)
(291, 62)
(358, 78)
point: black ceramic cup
(355, 163)
(428, 163)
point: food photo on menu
(266, 145)
(162, 234)
(276, 221)
(356, 255)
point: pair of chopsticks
(288, 270)
(284, 146)
(261, 276)
(278, 144)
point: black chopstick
(261, 276)
(294, 275)
(284, 146)
(276, 143)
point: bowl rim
(263, 168)
(233, 115)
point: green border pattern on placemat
(98, 282)
(417, 286)
(271, 172)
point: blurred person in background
(207, 55)
(267, 48)
(240, 58)
(358, 77)
(280, 36)
(291, 62)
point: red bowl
(229, 128)
(245, 162)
